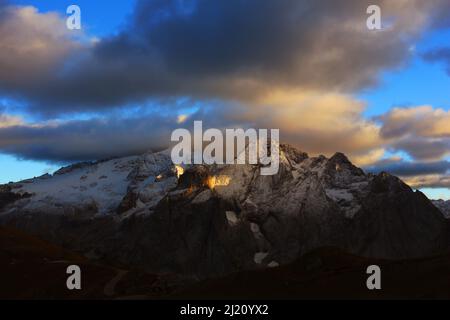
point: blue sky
(415, 82)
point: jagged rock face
(396, 222)
(444, 206)
(218, 219)
(316, 202)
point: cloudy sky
(139, 69)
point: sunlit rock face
(211, 220)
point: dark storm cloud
(94, 139)
(87, 140)
(422, 148)
(410, 169)
(226, 49)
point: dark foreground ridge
(31, 268)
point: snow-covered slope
(213, 220)
(99, 186)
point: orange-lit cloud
(9, 121)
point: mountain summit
(211, 220)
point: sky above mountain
(139, 69)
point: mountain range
(210, 221)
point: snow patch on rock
(232, 218)
(259, 257)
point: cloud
(229, 50)
(422, 148)
(85, 140)
(423, 132)
(416, 174)
(429, 181)
(33, 46)
(316, 123)
(8, 120)
(424, 121)
(368, 158)
(410, 169)
(103, 137)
